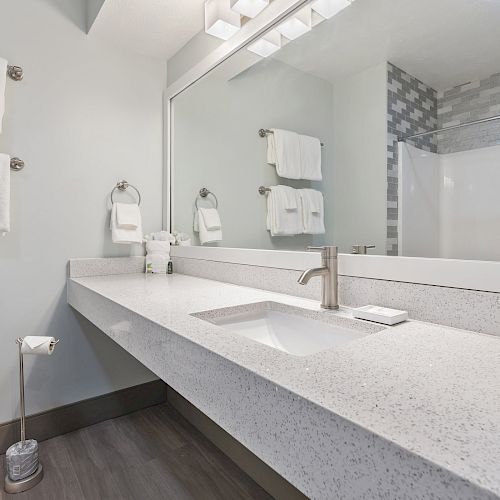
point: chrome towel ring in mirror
(204, 192)
(122, 186)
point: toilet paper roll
(38, 345)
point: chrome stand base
(24, 484)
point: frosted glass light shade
(220, 20)
(267, 44)
(296, 25)
(249, 8)
(328, 8)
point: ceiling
(155, 28)
(442, 42)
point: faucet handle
(327, 252)
(315, 249)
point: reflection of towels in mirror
(310, 158)
(208, 224)
(312, 211)
(284, 217)
(283, 151)
(3, 81)
(295, 156)
(4, 194)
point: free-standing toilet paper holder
(32, 480)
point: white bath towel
(211, 218)
(128, 215)
(3, 81)
(4, 194)
(208, 235)
(313, 213)
(284, 217)
(310, 158)
(124, 236)
(283, 151)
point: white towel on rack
(128, 215)
(208, 235)
(310, 158)
(124, 236)
(3, 81)
(283, 215)
(211, 218)
(4, 194)
(313, 213)
(283, 151)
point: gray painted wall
(216, 145)
(85, 116)
(359, 160)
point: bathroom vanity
(410, 411)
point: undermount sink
(290, 329)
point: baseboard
(277, 486)
(72, 417)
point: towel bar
(122, 186)
(264, 132)
(264, 190)
(15, 73)
(16, 164)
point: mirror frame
(453, 273)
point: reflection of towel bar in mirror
(264, 132)
(15, 73)
(203, 193)
(16, 164)
(264, 190)
(122, 186)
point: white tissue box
(380, 314)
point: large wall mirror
(382, 121)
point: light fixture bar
(220, 20)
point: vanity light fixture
(267, 44)
(249, 8)
(220, 20)
(328, 8)
(296, 25)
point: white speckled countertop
(426, 390)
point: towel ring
(122, 186)
(204, 192)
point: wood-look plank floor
(151, 454)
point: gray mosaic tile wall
(465, 103)
(411, 109)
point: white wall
(359, 185)
(420, 178)
(449, 204)
(85, 116)
(470, 210)
(216, 145)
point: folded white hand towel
(312, 211)
(124, 236)
(3, 81)
(158, 247)
(284, 152)
(128, 215)
(310, 158)
(206, 235)
(4, 194)
(211, 218)
(282, 220)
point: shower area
(448, 172)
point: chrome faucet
(329, 274)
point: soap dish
(380, 314)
